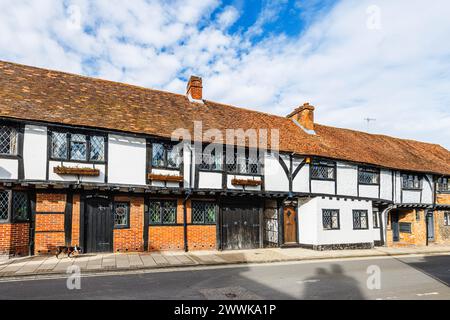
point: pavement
(99, 263)
(372, 278)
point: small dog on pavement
(70, 251)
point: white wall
(368, 191)
(210, 180)
(346, 234)
(301, 181)
(347, 179)
(35, 152)
(427, 192)
(386, 184)
(126, 160)
(323, 187)
(275, 178)
(9, 169)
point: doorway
(395, 227)
(290, 225)
(99, 225)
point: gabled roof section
(36, 94)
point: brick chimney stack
(304, 115)
(194, 89)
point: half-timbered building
(93, 163)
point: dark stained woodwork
(290, 225)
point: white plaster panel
(386, 184)
(9, 169)
(210, 180)
(411, 196)
(126, 160)
(35, 152)
(368, 191)
(322, 187)
(347, 179)
(301, 181)
(275, 178)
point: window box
(248, 182)
(61, 170)
(166, 178)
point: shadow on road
(335, 281)
(437, 267)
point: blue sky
(352, 59)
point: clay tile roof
(36, 94)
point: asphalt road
(425, 277)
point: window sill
(411, 189)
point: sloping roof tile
(43, 95)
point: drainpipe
(385, 215)
(188, 195)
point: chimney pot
(194, 88)
(304, 115)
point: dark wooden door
(240, 227)
(290, 225)
(99, 226)
(395, 227)
(430, 226)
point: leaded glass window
(78, 147)
(411, 181)
(376, 219)
(211, 161)
(20, 210)
(8, 140)
(443, 184)
(166, 156)
(447, 218)
(204, 212)
(360, 220)
(59, 145)
(368, 176)
(121, 215)
(4, 206)
(323, 170)
(97, 148)
(163, 212)
(243, 162)
(330, 219)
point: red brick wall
(49, 227)
(201, 237)
(14, 239)
(76, 220)
(165, 238)
(131, 239)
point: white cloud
(397, 74)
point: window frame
(128, 206)
(409, 224)
(420, 177)
(68, 135)
(447, 218)
(359, 212)
(367, 169)
(216, 207)
(323, 163)
(376, 219)
(167, 146)
(17, 129)
(440, 183)
(11, 217)
(337, 211)
(237, 164)
(207, 167)
(161, 223)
